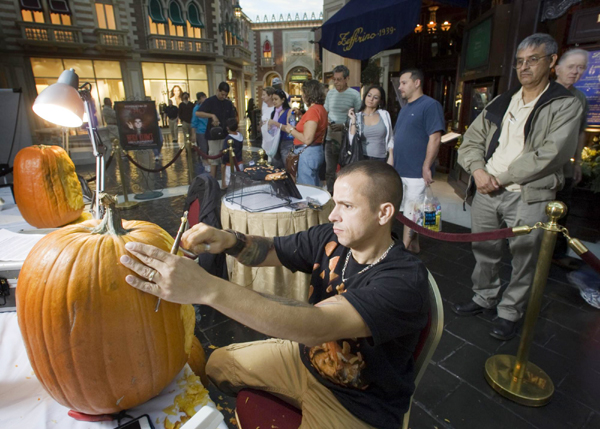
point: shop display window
(104, 76)
(161, 79)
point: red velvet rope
(155, 170)
(446, 236)
(205, 156)
(592, 260)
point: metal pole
(126, 204)
(98, 153)
(231, 158)
(190, 161)
(515, 377)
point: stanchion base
(148, 195)
(534, 390)
(126, 205)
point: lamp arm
(97, 146)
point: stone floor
(453, 392)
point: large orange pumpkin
(47, 190)
(95, 343)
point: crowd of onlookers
(346, 357)
(522, 150)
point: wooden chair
(256, 408)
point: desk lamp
(67, 104)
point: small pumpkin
(197, 361)
(47, 190)
(95, 343)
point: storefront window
(161, 78)
(83, 68)
(104, 76)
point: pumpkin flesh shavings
(193, 397)
(188, 318)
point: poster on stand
(589, 84)
(138, 124)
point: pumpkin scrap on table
(47, 189)
(193, 397)
(95, 343)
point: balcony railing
(237, 52)
(180, 44)
(50, 33)
(111, 39)
(267, 62)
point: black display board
(138, 124)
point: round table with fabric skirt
(274, 223)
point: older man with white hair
(571, 66)
(569, 70)
(515, 151)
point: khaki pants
(186, 127)
(488, 213)
(173, 129)
(275, 366)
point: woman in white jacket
(373, 123)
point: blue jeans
(160, 144)
(308, 166)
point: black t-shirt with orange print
(371, 377)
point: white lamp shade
(60, 103)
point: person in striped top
(337, 104)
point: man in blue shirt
(199, 124)
(417, 140)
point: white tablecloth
(24, 404)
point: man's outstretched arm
(183, 281)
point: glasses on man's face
(531, 61)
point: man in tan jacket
(515, 151)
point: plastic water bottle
(432, 211)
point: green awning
(194, 16)
(155, 12)
(175, 13)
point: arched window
(156, 18)
(60, 13)
(195, 24)
(176, 23)
(228, 30)
(267, 49)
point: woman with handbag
(308, 135)
(282, 115)
(373, 125)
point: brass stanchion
(263, 157)
(190, 161)
(126, 204)
(514, 377)
(231, 158)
